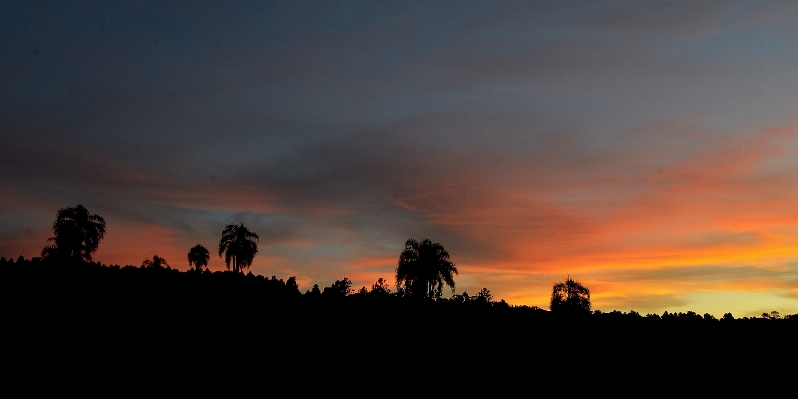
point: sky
(648, 150)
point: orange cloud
(732, 203)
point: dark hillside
(116, 314)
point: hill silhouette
(119, 319)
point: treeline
(96, 285)
(64, 310)
(112, 317)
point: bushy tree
(484, 296)
(774, 315)
(291, 286)
(727, 317)
(463, 298)
(570, 297)
(380, 287)
(198, 256)
(339, 288)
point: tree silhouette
(727, 317)
(291, 287)
(77, 235)
(380, 287)
(461, 298)
(339, 288)
(570, 297)
(198, 256)
(423, 269)
(484, 296)
(239, 245)
(156, 261)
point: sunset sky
(647, 149)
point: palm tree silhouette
(423, 269)
(239, 245)
(156, 261)
(77, 235)
(198, 256)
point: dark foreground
(104, 321)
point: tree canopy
(238, 245)
(77, 234)
(423, 269)
(156, 261)
(339, 288)
(380, 287)
(570, 297)
(198, 256)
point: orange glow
(648, 235)
(716, 208)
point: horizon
(646, 150)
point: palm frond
(239, 243)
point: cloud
(771, 14)
(654, 19)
